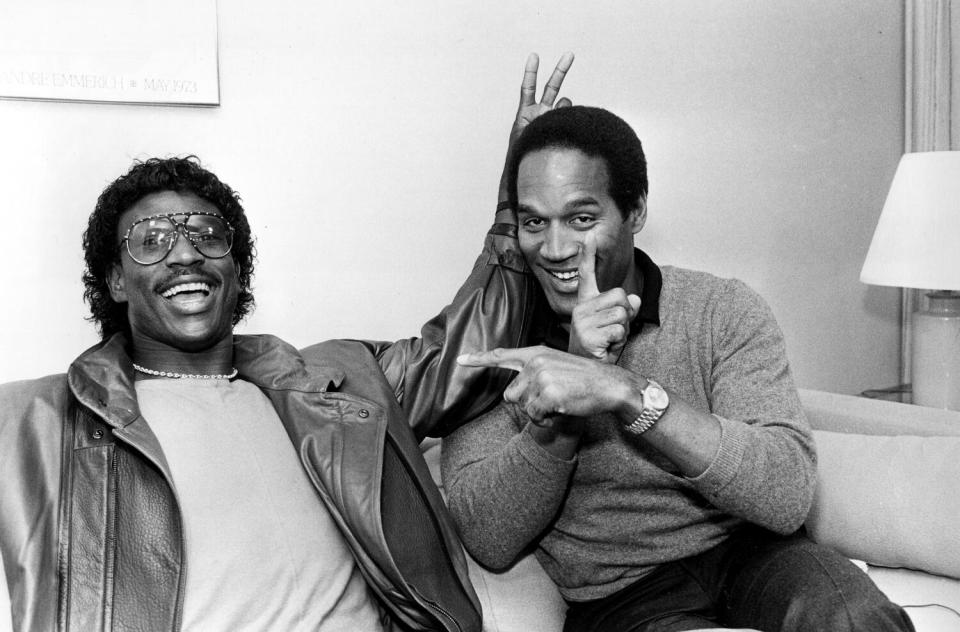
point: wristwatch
(655, 402)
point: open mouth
(190, 296)
(564, 275)
(187, 290)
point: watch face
(655, 397)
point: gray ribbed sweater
(619, 508)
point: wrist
(560, 436)
(630, 400)
(653, 403)
(575, 348)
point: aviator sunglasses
(150, 239)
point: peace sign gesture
(530, 109)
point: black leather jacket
(90, 528)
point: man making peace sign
(654, 452)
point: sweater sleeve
(765, 468)
(503, 489)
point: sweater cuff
(542, 461)
(726, 463)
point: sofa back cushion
(862, 415)
(889, 500)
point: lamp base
(936, 352)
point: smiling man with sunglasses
(174, 309)
(183, 477)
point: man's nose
(558, 245)
(183, 252)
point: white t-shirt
(262, 551)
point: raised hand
(530, 109)
(552, 382)
(600, 322)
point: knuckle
(545, 376)
(537, 363)
(550, 393)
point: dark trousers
(755, 579)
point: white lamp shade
(917, 240)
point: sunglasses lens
(212, 236)
(150, 240)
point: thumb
(634, 301)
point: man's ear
(638, 216)
(115, 284)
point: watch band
(644, 422)
(655, 402)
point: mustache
(195, 276)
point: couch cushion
(520, 599)
(891, 501)
(932, 601)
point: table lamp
(917, 245)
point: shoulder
(15, 396)
(692, 288)
(344, 353)
(357, 366)
(32, 413)
(271, 354)
(719, 309)
(687, 281)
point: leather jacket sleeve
(493, 308)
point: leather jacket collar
(102, 377)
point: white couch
(888, 496)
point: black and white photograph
(614, 316)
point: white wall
(367, 142)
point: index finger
(528, 88)
(556, 79)
(587, 270)
(513, 359)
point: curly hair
(595, 132)
(102, 249)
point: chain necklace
(179, 376)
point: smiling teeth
(565, 276)
(186, 287)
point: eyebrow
(570, 207)
(587, 200)
(528, 210)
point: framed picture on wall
(110, 51)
